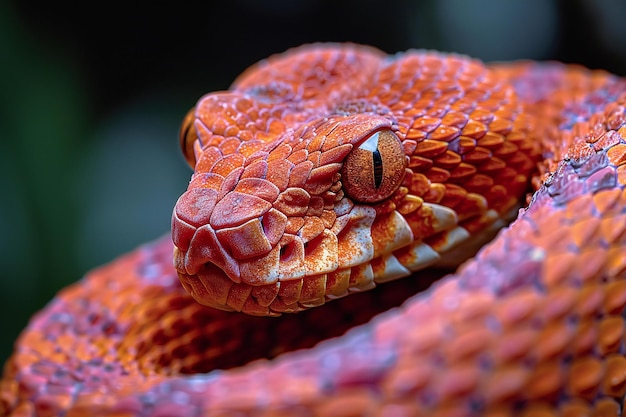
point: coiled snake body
(331, 169)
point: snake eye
(187, 136)
(374, 170)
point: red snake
(328, 170)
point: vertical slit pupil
(378, 168)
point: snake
(329, 256)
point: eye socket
(374, 170)
(187, 136)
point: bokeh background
(91, 97)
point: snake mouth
(282, 285)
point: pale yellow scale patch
(417, 256)
(390, 232)
(454, 255)
(389, 268)
(354, 236)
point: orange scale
(449, 160)
(580, 207)
(585, 232)
(407, 97)
(589, 263)
(615, 264)
(477, 156)
(437, 175)
(467, 345)
(278, 172)
(454, 195)
(519, 308)
(407, 381)
(613, 228)
(607, 141)
(249, 147)
(606, 199)
(584, 377)
(615, 118)
(606, 407)
(474, 129)
(281, 152)
(556, 267)
(479, 94)
(420, 164)
(479, 183)
(503, 384)
(298, 156)
(507, 149)
(313, 288)
(315, 157)
(417, 183)
(614, 381)
(415, 134)
(429, 148)
(493, 164)
(300, 174)
(276, 126)
(245, 135)
(585, 337)
(265, 136)
(617, 154)
(545, 382)
(463, 105)
(435, 193)
(456, 382)
(231, 130)
(334, 155)
(510, 177)
(444, 133)
(501, 126)
(413, 113)
(229, 145)
(219, 125)
(257, 169)
(610, 335)
(554, 340)
(471, 206)
(492, 140)
(426, 124)
(621, 174)
(465, 144)
(351, 402)
(622, 131)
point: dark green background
(91, 97)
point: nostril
(204, 248)
(286, 251)
(291, 258)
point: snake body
(331, 169)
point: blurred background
(91, 98)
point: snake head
(270, 226)
(321, 172)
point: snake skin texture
(333, 169)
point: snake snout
(228, 233)
(222, 251)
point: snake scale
(331, 169)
